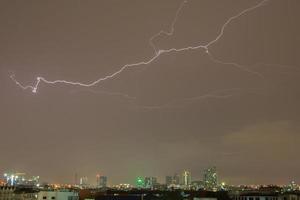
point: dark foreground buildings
(137, 194)
(19, 193)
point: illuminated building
(292, 186)
(210, 179)
(140, 182)
(186, 178)
(123, 186)
(98, 180)
(102, 181)
(18, 178)
(150, 182)
(83, 181)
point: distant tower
(210, 178)
(186, 178)
(98, 180)
(103, 181)
(176, 179)
(84, 181)
(173, 180)
(76, 179)
(150, 182)
(169, 180)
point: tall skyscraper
(186, 178)
(76, 179)
(103, 181)
(169, 180)
(83, 181)
(210, 178)
(176, 179)
(98, 180)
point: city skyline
(150, 89)
(210, 179)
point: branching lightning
(167, 33)
(158, 52)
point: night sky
(181, 111)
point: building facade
(186, 179)
(14, 193)
(57, 195)
(150, 182)
(210, 179)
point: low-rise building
(15, 193)
(266, 196)
(58, 195)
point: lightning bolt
(158, 52)
(167, 33)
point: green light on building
(140, 182)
